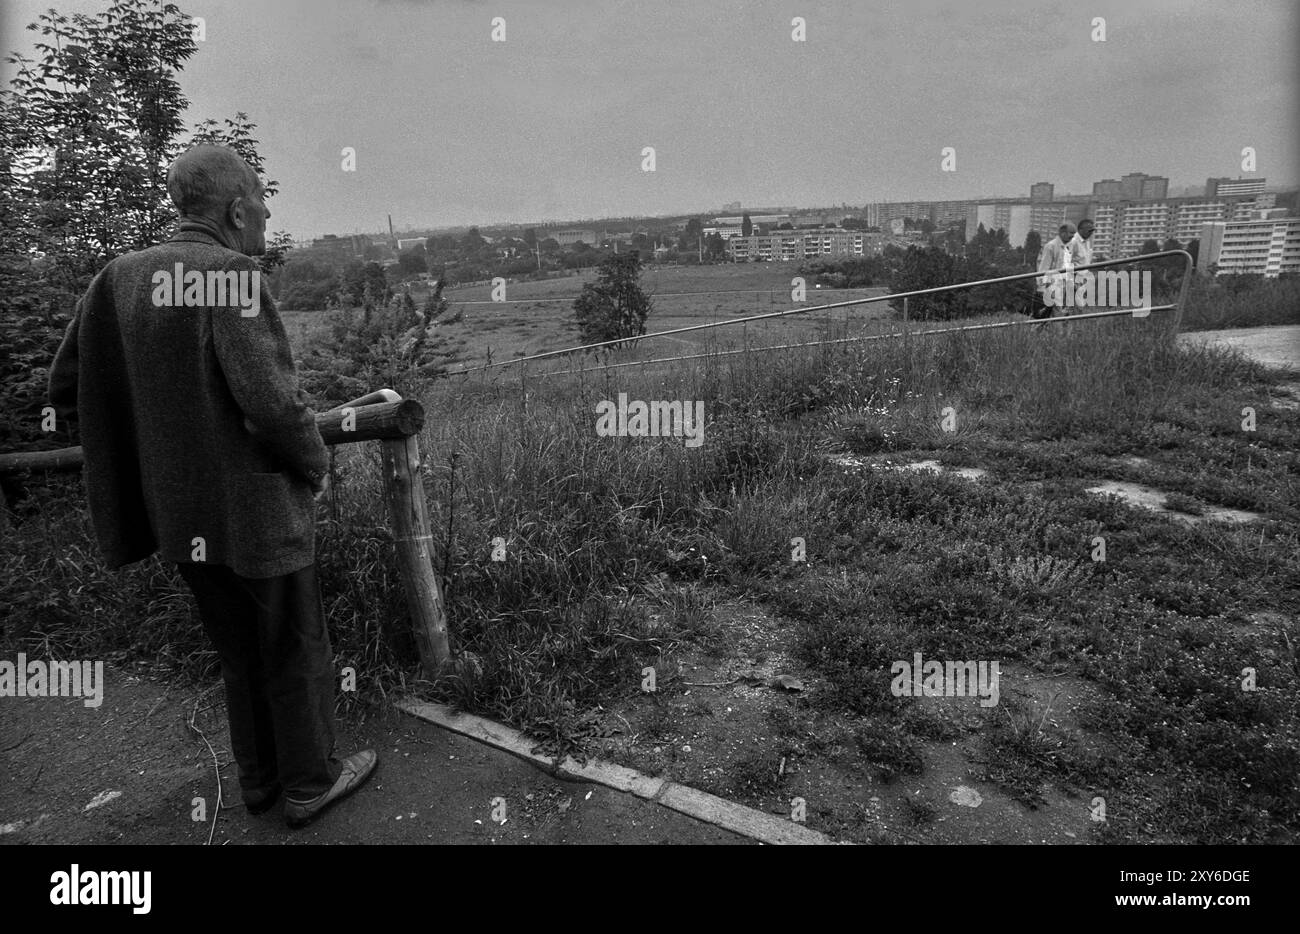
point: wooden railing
(395, 422)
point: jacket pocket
(273, 521)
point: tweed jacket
(198, 442)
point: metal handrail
(852, 340)
(1182, 295)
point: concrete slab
(1150, 498)
(719, 812)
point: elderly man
(199, 445)
(1054, 260)
(1081, 244)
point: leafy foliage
(614, 306)
(87, 131)
(387, 347)
(916, 269)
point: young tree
(614, 306)
(746, 225)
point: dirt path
(1276, 346)
(134, 753)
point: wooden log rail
(395, 422)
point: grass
(896, 562)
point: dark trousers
(278, 667)
(1042, 308)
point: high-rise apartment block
(1269, 247)
(1225, 187)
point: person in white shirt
(1054, 260)
(1081, 253)
(1081, 244)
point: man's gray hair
(204, 179)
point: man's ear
(237, 213)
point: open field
(538, 315)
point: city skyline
(717, 213)
(452, 129)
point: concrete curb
(757, 825)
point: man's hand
(320, 489)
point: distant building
(739, 219)
(1252, 209)
(1210, 246)
(570, 237)
(999, 215)
(1108, 189)
(410, 242)
(1223, 187)
(1142, 221)
(1155, 188)
(945, 213)
(1041, 191)
(1190, 216)
(1268, 247)
(725, 232)
(1138, 185)
(786, 245)
(352, 246)
(1047, 216)
(879, 214)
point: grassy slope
(897, 562)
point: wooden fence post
(404, 494)
(404, 491)
(381, 416)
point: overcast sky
(450, 127)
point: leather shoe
(356, 769)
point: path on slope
(1274, 346)
(59, 758)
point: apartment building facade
(787, 245)
(1121, 227)
(1225, 187)
(1047, 216)
(1269, 247)
(1012, 217)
